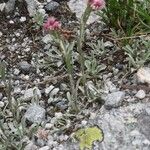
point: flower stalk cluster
(66, 48)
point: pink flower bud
(52, 24)
(97, 4)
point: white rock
(16, 71)
(58, 115)
(49, 89)
(30, 93)
(78, 7)
(2, 6)
(1, 33)
(48, 126)
(23, 19)
(1, 104)
(11, 22)
(143, 75)
(140, 94)
(17, 90)
(47, 38)
(45, 148)
(109, 87)
(30, 146)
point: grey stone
(140, 94)
(114, 99)
(51, 6)
(25, 66)
(35, 114)
(32, 7)
(144, 125)
(1, 96)
(10, 5)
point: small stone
(10, 5)
(1, 96)
(83, 122)
(143, 75)
(30, 146)
(42, 11)
(51, 6)
(11, 22)
(2, 6)
(1, 33)
(110, 87)
(140, 94)
(17, 34)
(16, 71)
(30, 93)
(48, 126)
(25, 66)
(23, 19)
(35, 114)
(49, 89)
(45, 148)
(47, 38)
(2, 104)
(17, 90)
(27, 49)
(114, 99)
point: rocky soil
(40, 82)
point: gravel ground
(121, 108)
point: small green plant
(138, 53)
(38, 20)
(127, 15)
(13, 129)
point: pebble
(1, 96)
(109, 87)
(51, 6)
(45, 148)
(17, 90)
(30, 93)
(25, 66)
(114, 99)
(35, 114)
(143, 75)
(23, 19)
(48, 126)
(1, 33)
(47, 38)
(11, 22)
(1, 104)
(16, 71)
(140, 94)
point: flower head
(52, 24)
(97, 4)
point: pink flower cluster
(96, 4)
(52, 24)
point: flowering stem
(81, 38)
(67, 56)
